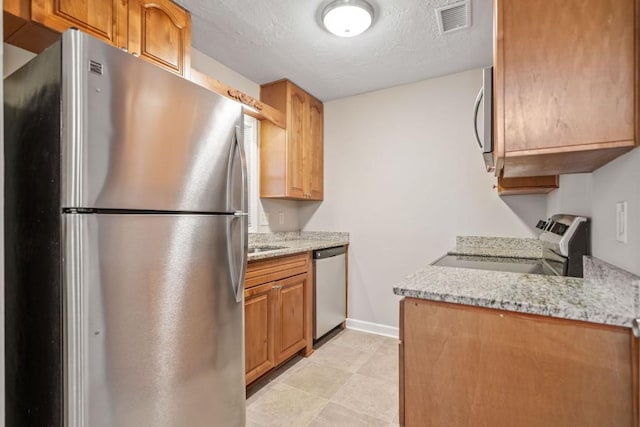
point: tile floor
(351, 380)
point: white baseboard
(373, 328)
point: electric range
(565, 240)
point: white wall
(14, 58)
(573, 196)
(219, 71)
(404, 176)
(595, 195)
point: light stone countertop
(607, 295)
(294, 242)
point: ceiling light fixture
(347, 18)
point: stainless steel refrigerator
(126, 239)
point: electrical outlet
(281, 218)
(621, 221)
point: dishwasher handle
(329, 252)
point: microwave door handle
(476, 109)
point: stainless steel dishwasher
(330, 289)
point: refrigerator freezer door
(154, 333)
(138, 137)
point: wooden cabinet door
(297, 112)
(160, 32)
(291, 332)
(104, 19)
(467, 365)
(565, 84)
(314, 169)
(291, 161)
(259, 330)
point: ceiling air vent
(453, 17)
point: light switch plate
(281, 218)
(621, 221)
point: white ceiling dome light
(347, 18)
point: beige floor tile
(359, 340)
(334, 415)
(252, 420)
(321, 380)
(372, 396)
(289, 368)
(261, 386)
(358, 372)
(383, 364)
(283, 405)
(340, 357)
(389, 345)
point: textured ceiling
(267, 40)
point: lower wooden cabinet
(258, 337)
(291, 316)
(463, 365)
(278, 313)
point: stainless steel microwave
(485, 97)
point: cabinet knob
(124, 49)
(135, 54)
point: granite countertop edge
(297, 243)
(520, 307)
(607, 295)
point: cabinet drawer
(272, 269)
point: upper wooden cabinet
(106, 20)
(291, 159)
(160, 32)
(157, 30)
(565, 92)
(315, 178)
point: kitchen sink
(257, 249)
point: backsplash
(595, 195)
(263, 238)
(600, 274)
(500, 246)
(273, 210)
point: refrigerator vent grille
(453, 17)
(95, 67)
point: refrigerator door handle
(241, 215)
(75, 309)
(238, 281)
